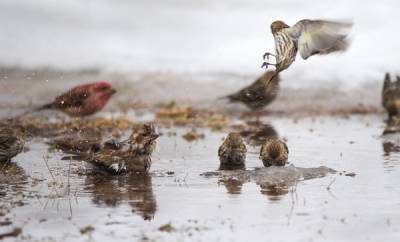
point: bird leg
(266, 64)
(267, 54)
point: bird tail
(43, 107)
(271, 78)
(231, 97)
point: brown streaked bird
(391, 96)
(11, 143)
(309, 37)
(260, 93)
(274, 152)
(133, 155)
(83, 100)
(232, 152)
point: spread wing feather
(319, 36)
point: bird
(11, 143)
(309, 37)
(391, 96)
(82, 100)
(258, 94)
(274, 152)
(232, 152)
(132, 155)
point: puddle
(48, 198)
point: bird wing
(73, 98)
(319, 36)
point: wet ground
(44, 198)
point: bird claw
(265, 64)
(267, 54)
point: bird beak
(112, 91)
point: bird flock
(308, 37)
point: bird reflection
(135, 189)
(257, 133)
(233, 186)
(389, 147)
(273, 191)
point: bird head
(103, 90)
(143, 140)
(277, 26)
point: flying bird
(309, 37)
(258, 94)
(83, 100)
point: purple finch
(82, 100)
(232, 152)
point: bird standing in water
(274, 152)
(391, 96)
(132, 155)
(258, 94)
(11, 143)
(309, 37)
(232, 152)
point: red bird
(82, 100)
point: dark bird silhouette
(391, 96)
(258, 94)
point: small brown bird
(309, 37)
(274, 152)
(260, 93)
(232, 152)
(133, 155)
(391, 96)
(11, 143)
(82, 100)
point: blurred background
(201, 40)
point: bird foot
(267, 54)
(266, 64)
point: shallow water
(336, 207)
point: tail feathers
(231, 98)
(46, 106)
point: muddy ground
(45, 198)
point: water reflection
(274, 181)
(136, 190)
(257, 133)
(389, 147)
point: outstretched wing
(319, 36)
